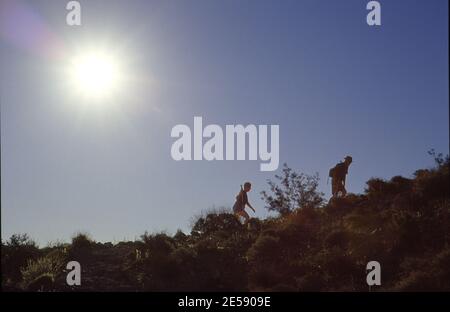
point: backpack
(332, 172)
(338, 171)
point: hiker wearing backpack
(242, 201)
(337, 175)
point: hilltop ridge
(402, 223)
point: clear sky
(334, 85)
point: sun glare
(95, 74)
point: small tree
(293, 191)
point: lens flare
(95, 74)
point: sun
(95, 74)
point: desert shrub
(81, 241)
(160, 243)
(81, 248)
(216, 222)
(16, 252)
(40, 274)
(266, 263)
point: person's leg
(334, 187)
(246, 216)
(344, 191)
(341, 189)
(241, 213)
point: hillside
(401, 223)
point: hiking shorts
(237, 207)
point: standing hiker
(241, 201)
(337, 175)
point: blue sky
(334, 85)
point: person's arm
(251, 207)
(247, 203)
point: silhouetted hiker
(337, 175)
(241, 201)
